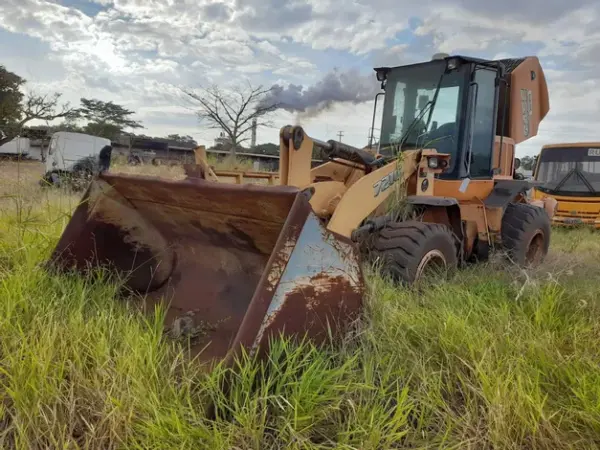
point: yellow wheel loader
(238, 264)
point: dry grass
(174, 172)
(14, 176)
(495, 358)
(18, 175)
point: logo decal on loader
(526, 110)
(385, 182)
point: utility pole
(253, 139)
(340, 134)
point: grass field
(496, 358)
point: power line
(340, 134)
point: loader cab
(449, 104)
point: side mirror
(434, 125)
(517, 163)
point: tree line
(234, 113)
(527, 162)
(18, 109)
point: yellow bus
(570, 173)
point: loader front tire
(525, 233)
(408, 251)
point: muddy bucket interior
(235, 264)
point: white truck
(72, 152)
(19, 146)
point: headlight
(452, 63)
(433, 163)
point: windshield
(569, 171)
(411, 118)
(52, 146)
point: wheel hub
(535, 250)
(432, 259)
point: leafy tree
(103, 129)
(69, 124)
(105, 119)
(98, 111)
(10, 97)
(233, 112)
(17, 109)
(527, 163)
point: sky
(143, 53)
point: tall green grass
(495, 358)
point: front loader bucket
(235, 264)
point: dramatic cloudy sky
(139, 53)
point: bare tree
(16, 109)
(233, 112)
(34, 106)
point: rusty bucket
(234, 264)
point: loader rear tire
(408, 251)
(525, 233)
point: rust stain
(311, 307)
(194, 171)
(115, 220)
(280, 261)
(259, 305)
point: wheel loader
(238, 264)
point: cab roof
(572, 144)
(508, 64)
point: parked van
(70, 152)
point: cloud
(141, 52)
(278, 15)
(217, 12)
